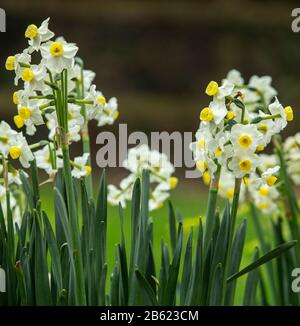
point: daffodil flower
(246, 137)
(44, 162)
(96, 102)
(109, 113)
(37, 35)
(19, 150)
(243, 162)
(6, 136)
(80, 167)
(58, 55)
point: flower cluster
(259, 190)
(57, 92)
(291, 149)
(160, 169)
(235, 127)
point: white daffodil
(160, 173)
(235, 77)
(245, 137)
(51, 124)
(74, 116)
(6, 134)
(19, 149)
(115, 196)
(225, 90)
(38, 35)
(74, 134)
(34, 77)
(109, 114)
(138, 159)
(266, 128)
(226, 186)
(30, 116)
(16, 214)
(264, 197)
(243, 162)
(277, 109)
(75, 122)
(291, 148)
(267, 179)
(58, 55)
(80, 167)
(263, 85)
(204, 141)
(157, 198)
(219, 110)
(266, 205)
(267, 161)
(43, 160)
(21, 97)
(269, 176)
(21, 61)
(98, 102)
(14, 177)
(88, 76)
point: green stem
(62, 134)
(211, 209)
(85, 133)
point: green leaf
(187, 268)
(172, 227)
(150, 268)
(28, 190)
(21, 283)
(35, 183)
(235, 259)
(123, 273)
(42, 287)
(264, 259)
(114, 286)
(215, 297)
(170, 292)
(135, 213)
(239, 103)
(221, 246)
(195, 289)
(251, 284)
(101, 227)
(146, 288)
(164, 271)
(54, 253)
(101, 290)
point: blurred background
(156, 57)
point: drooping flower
(19, 150)
(38, 35)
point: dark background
(156, 57)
